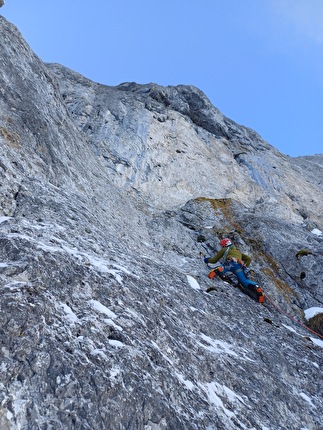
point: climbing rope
(292, 318)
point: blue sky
(259, 61)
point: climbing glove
(206, 260)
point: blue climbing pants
(236, 268)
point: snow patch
(112, 324)
(100, 353)
(193, 309)
(317, 342)
(19, 405)
(225, 400)
(311, 312)
(103, 309)
(214, 398)
(136, 316)
(3, 265)
(69, 313)
(101, 266)
(193, 282)
(188, 384)
(154, 344)
(317, 232)
(290, 328)
(307, 398)
(116, 343)
(217, 346)
(123, 269)
(115, 371)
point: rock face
(109, 198)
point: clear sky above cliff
(259, 61)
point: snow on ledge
(317, 232)
(311, 312)
(317, 342)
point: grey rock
(110, 197)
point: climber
(234, 261)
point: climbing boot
(212, 274)
(260, 294)
(255, 292)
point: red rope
(292, 318)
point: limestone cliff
(109, 198)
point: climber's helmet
(225, 242)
